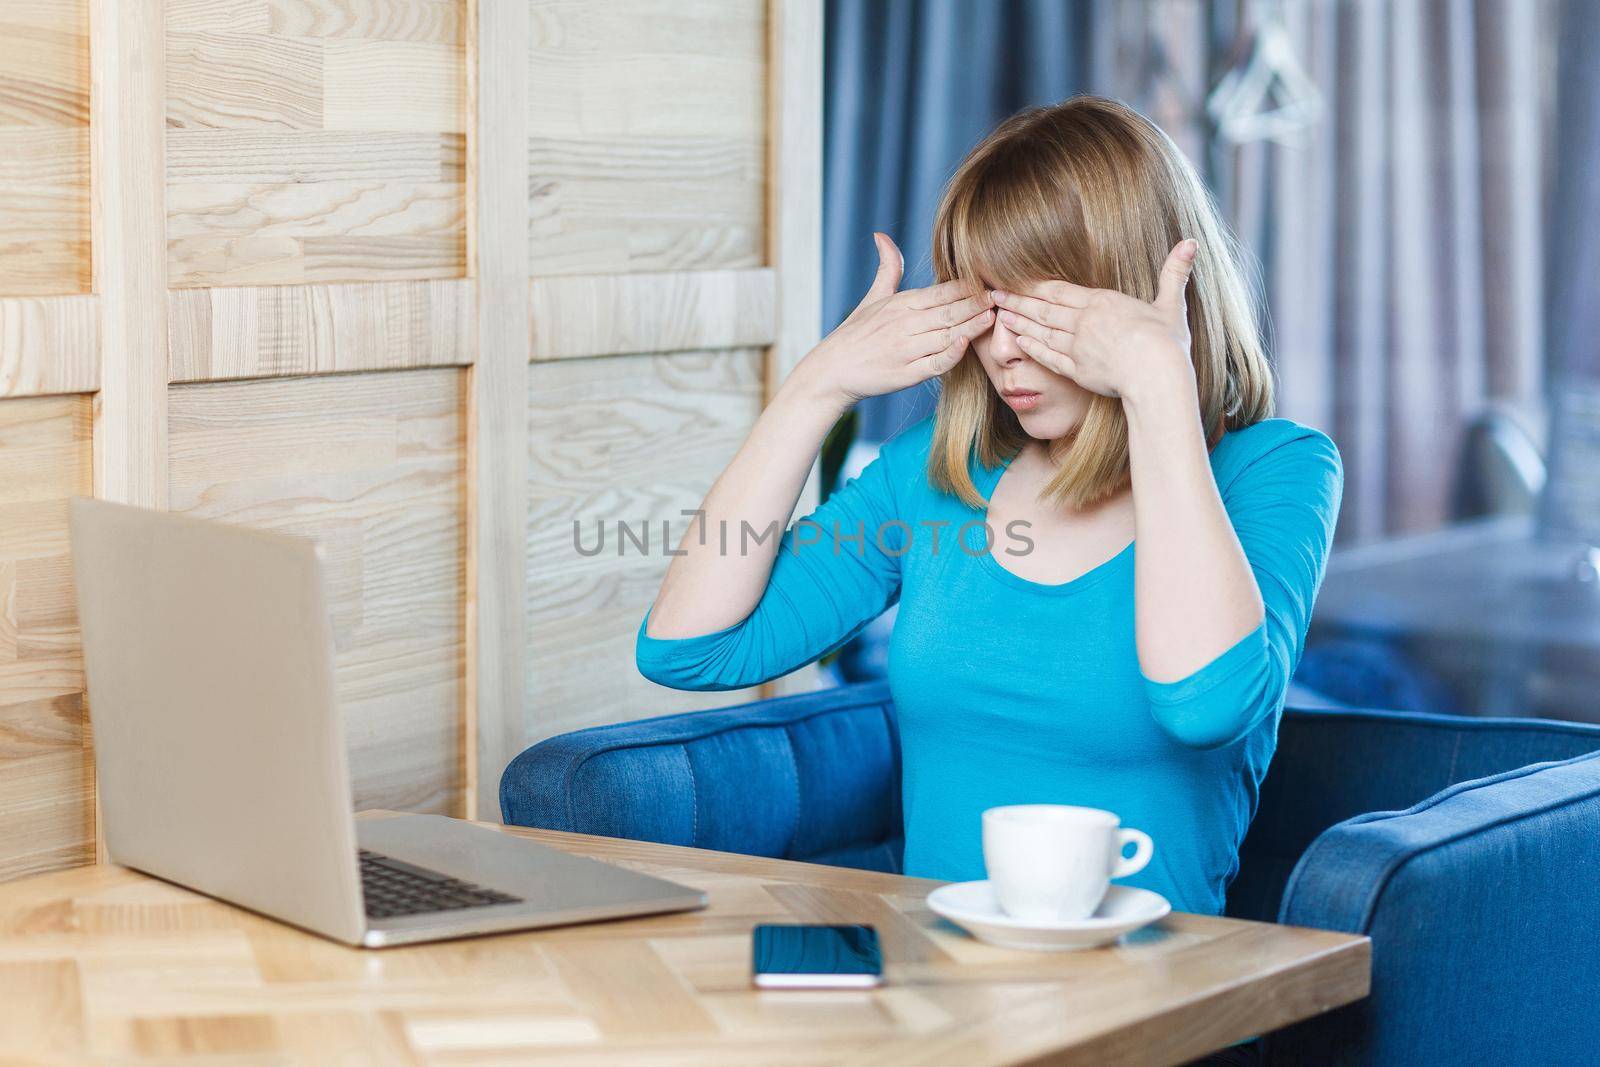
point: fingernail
(1190, 247)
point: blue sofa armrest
(1481, 904)
(814, 777)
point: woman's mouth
(1021, 399)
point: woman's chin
(1044, 424)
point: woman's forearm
(727, 552)
(1195, 595)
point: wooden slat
(794, 218)
(44, 148)
(129, 270)
(49, 345)
(106, 966)
(46, 817)
(635, 439)
(670, 311)
(275, 331)
(497, 398)
(372, 465)
(315, 142)
(647, 136)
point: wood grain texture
(102, 965)
(275, 331)
(46, 816)
(314, 141)
(794, 221)
(373, 466)
(49, 345)
(625, 439)
(130, 429)
(497, 421)
(647, 136)
(44, 148)
(666, 311)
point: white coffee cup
(1054, 862)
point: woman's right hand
(894, 340)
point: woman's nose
(1003, 347)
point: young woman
(1104, 548)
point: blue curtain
(911, 86)
(1574, 247)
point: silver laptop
(221, 755)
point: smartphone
(799, 956)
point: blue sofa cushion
(813, 777)
(1481, 903)
(1334, 764)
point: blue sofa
(1467, 849)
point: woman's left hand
(1105, 340)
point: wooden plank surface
(794, 222)
(373, 466)
(663, 311)
(101, 964)
(281, 330)
(49, 345)
(497, 418)
(633, 440)
(647, 133)
(46, 818)
(130, 431)
(314, 142)
(44, 148)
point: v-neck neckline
(992, 566)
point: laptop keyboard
(391, 888)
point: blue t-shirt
(1009, 691)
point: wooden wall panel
(664, 311)
(49, 345)
(637, 438)
(314, 141)
(794, 218)
(647, 129)
(497, 402)
(284, 330)
(46, 818)
(44, 147)
(373, 465)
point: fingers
(1042, 311)
(891, 268)
(936, 318)
(1174, 279)
(937, 363)
(943, 349)
(941, 340)
(943, 293)
(1047, 357)
(1054, 291)
(1058, 336)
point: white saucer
(972, 906)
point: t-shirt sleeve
(836, 570)
(1284, 504)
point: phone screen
(816, 957)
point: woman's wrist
(816, 390)
(1162, 388)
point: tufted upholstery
(811, 777)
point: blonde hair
(1090, 191)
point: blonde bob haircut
(1090, 191)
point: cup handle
(1144, 848)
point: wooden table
(100, 964)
